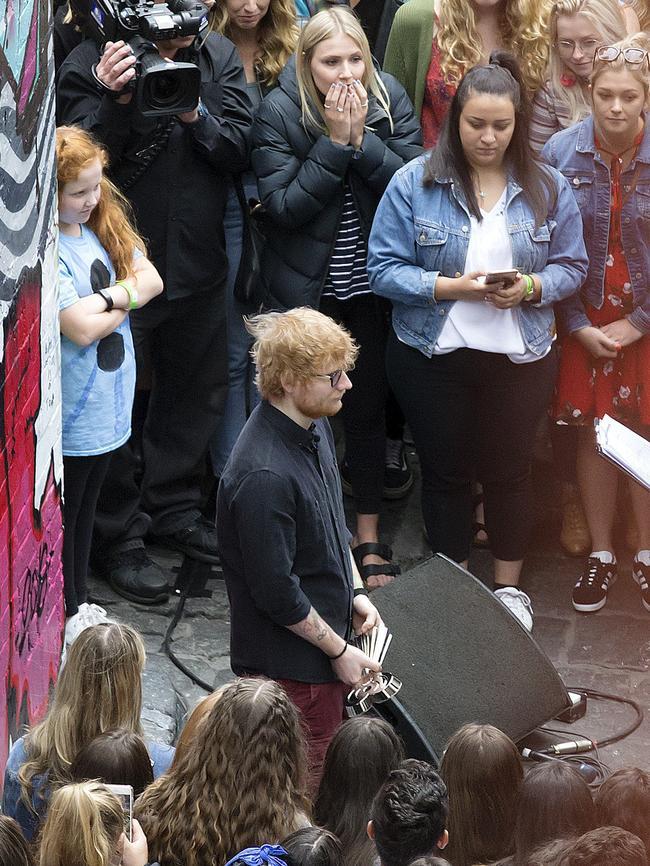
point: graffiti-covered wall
(31, 612)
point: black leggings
(473, 414)
(363, 412)
(83, 477)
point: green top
(408, 53)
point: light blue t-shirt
(97, 381)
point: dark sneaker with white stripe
(641, 574)
(590, 592)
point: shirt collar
(288, 428)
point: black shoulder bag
(248, 282)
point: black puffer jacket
(301, 175)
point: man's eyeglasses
(566, 47)
(334, 377)
(610, 53)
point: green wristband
(530, 287)
(133, 295)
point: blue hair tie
(267, 854)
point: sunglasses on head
(610, 53)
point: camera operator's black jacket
(301, 175)
(180, 196)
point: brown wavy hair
(277, 36)
(242, 782)
(112, 218)
(524, 29)
(99, 688)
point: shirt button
(576, 181)
(638, 276)
(458, 274)
(465, 229)
(441, 312)
(627, 219)
(627, 189)
(423, 237)
(634, 249)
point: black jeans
(473, 415)
(185, 343)
(83, 477)
(363, 412)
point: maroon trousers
(321, 711)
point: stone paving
(609, 651)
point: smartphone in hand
(507, 277)
(124, 794)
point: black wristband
(108, 298)
(334, 658)
(361, 590)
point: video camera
(160, 86)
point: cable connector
(571, 747)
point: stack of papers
(625, 448)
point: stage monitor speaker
(462, 656)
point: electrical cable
(166, 645)
(604, 696)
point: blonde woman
(265, 33)
(326, 143)
(85, 827)
(242, 781)
(578, 28)
(432, 44)
(99, 688)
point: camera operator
(172, 169)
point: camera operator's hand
(116, 68)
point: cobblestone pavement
(609, 651)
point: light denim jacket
(574, 153)
(422, 232)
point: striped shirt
(348, 274)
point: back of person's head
(359, 758)
(483, 773)
(14, 850)
(189, 732)
(297, 345)
(606, 846)
(117, 757)
(83, 826)
(623, 800)
(313, 846)
(99, 689)
(243, 780)
(409, 814)
(554, 803)
(549, 854)
(500, 77)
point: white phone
(124, 794)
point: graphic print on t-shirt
(110, 349)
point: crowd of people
(235, 790)
(454, 198)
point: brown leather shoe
(574, 535)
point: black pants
(82, 477)
(363, 413)
(184, 341)
(473, 414)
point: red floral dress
(587, 387)
(437, 98)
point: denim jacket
(574, 153)
(422, 232)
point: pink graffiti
(31, 577)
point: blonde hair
(297, 344)
(84, 823)
(112, 216)
(640, 72)
(99, 688)
(334, 21)
(606, 19)
(241, 783)
(524, 29)
(278, 34)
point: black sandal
(373, 570)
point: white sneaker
(518, 603)
(74, 625)
(95, 613)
